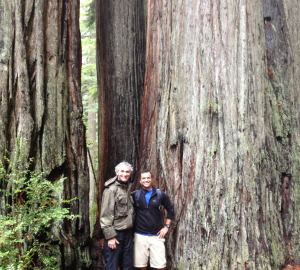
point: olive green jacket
(116, 209)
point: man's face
(146, 181)
(123, 174)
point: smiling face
(146, 181)
(123, 173)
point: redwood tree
(220, 129)
(40, 61)
(120, 59)
(120, 69)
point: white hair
(124, 163)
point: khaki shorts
(149, 246)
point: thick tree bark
(120, 69)
(121, 47)
(40, 62)
(220, 129)
(91, 135)
(120, 58)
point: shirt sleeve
(168, 206)
(107, 214)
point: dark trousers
(122, 256)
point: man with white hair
(116, 219)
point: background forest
(203, 93)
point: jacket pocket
(122, 207)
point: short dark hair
(145, 171)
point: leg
(127, 255)
(111, 257)
(158, 253)
(141, 251)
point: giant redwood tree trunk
(120, 69)
(220, 129)
(41, 102)
(120, 59)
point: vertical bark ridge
(212, 136)
(41, 102)
(120, 71)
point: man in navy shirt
(150, 230)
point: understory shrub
(30, 205)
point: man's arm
(107, 214)
(170, 215)
(162, 233)
(168, 206)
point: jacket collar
(115, 180)
(153, 190)
(118, 182)
(110, 181)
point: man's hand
(162, 233)
(112, 243)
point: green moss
(93, 214)
(277, 122)
(182, 265)
(277, 254)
